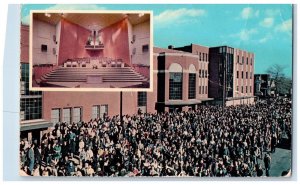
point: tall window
(99, 110)
(77, 114)
(142, 99)
(200, 56)
(192, 85)
(246, 75)
(242, 74)
(200, 73)
(103, 110)
(242, 89)
(206, 89)
(237, 74)
(67, 115)
(95, 111)
(31, 101)
(175, 86)
(200, 92)
(55, 115)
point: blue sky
(265, 30)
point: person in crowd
(205, 142)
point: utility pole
(121, 106)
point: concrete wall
(43, 33)
(142, 37)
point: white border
(83, 89)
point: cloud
(272, 12)
(248, 12)
(26, 19)
(245, 34)
(170, 16)
(267, 22)
(265, 39)
(285, 26)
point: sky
(265, 30)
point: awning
(180, 102)
(35, 124)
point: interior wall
(72, 42)
(142, 37)
(43, 34)
(130, 39)
(58, 30)
(116, 41)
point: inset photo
(90, 50)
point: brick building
(183, 78)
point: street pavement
(281, 161)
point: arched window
(175, 81)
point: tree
(283, 85)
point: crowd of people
(212, 141)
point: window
(199, 73)
(242, 74)
(246, 89)
(142, 99)
(133, 51)
(200, 56)
(25, 82)
(103, 110)
(67, 115)
(238, 59)
(246, 75)
(95, 111)
(247, 61)
(242, 89)
(98, 111)
(55, 115)
(175, 86)
(206, 89)
(250, 89)
(237, 74)
(205, 56)
(251, 61)
(77, 114)
(31, 108)
(192, 85)
(200, 90)
(237, 88)
(145, 48)
(250, 75)
(31, 101)
(44, 48)
(205, 73)
(242, 60)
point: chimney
(170, 47)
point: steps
(79, 74)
